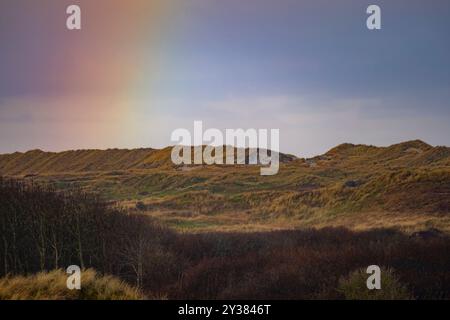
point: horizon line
(171, 146)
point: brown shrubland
(42, 229)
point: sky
(139, 69)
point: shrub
(354, 287)
(43, 229)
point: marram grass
(52, 286)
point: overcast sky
(139, 69)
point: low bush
(354, 287)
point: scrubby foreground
(42, 229)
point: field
(158, 231)
(357, 186)
(43, 230)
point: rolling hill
(406, 185)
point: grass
(44, 229)
(233, 221)
(307, 264)
(350, 184)
(52, 286)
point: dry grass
(242, 221)
(43, 229)
(52, 286)
(405, 185)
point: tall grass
(52, 286)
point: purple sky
(137, 71)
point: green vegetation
(354, 287)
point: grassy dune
(405, 185)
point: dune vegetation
(44, 229)
(406, 186)
(52, 286)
